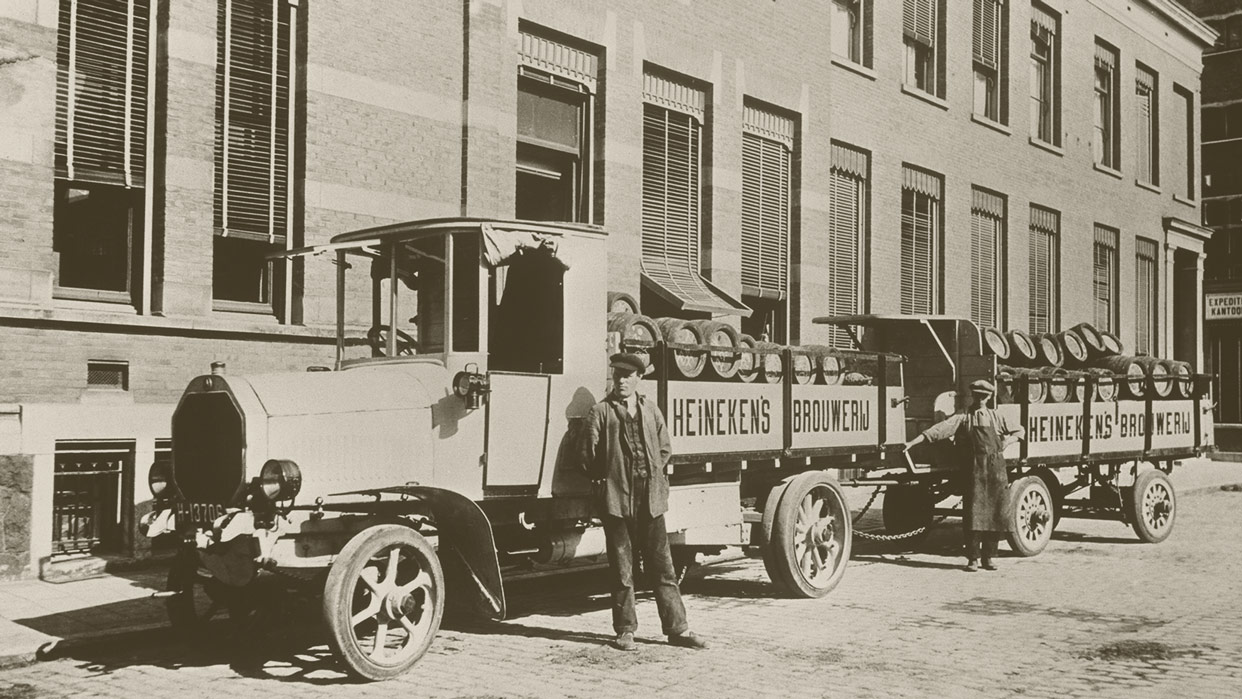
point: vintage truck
(437, 457)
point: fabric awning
(674, 281)
(501, 245)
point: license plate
(197, 513)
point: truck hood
(373, 388)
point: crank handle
(894, 402)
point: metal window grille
(847, 239)
(1104, 279)
(101, 91)
(1045, 270)
(767, 142)
(87, 497)
(1146, 302)
(109, 375)
(920, 241)
(987, 226)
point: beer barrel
(687, 363)
(634, 326)
(803, 366)
(1091, 339)
(1128, 371)
(1057, 383)
(1021, 348)
(994, 341)
(1105, 383)
(747, 362)
(1158, 371)
(1036, 391)
(827, 363)
(722, 363)
(1112, 344)
(1048, 350)
(1073, 351)
(621, 302)
(1183, 379)
(771, 364)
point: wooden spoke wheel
(1030, 516)
(1152, 506)
(810, 540)
(383, 601)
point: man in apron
(980, 436)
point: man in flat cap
(625, 451)
(980, 435)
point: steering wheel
(377, 337)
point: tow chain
(894, 537)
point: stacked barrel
(1059, 367)
(709, 350)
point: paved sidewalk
(39, 616)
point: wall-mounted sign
(1222, 306)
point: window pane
(92, 233)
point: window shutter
(846, 243)
(101, 106)
(765, 217)
(252, 134)
(919, 20)
(1104, 276)
(1045, 225)
(1146, 301)
(987, 15)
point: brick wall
(16, 478)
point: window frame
(1106, 130)
(994, 79)
(1052, 290)
(1046, 105)
(582, 198)
(1189, 142)
(924, 58)
(1150, 321)
(858, 35)
(769, 140)
(850, 177)
(999, 224)
(1148, 148)
(1106, 277)
(931, 208)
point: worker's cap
(982, 387)
(628, 361)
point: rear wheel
(1151, 506)
(811, 536)
(1030, 516)
(384, 601)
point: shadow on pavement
(1079, 537)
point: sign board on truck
(1057, 429)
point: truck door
(517, 430)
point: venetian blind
(846, 241)
(920, 201)
(986, 227)
(101, 91)
(987, 32)
(1104, 279)
(767, 140)
(1043, 269)
(919, 20)
(1146, 302)
(1144, 100)
(253, 143)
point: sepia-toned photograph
(621, 348)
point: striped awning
(675, 95)
(1145, 79)
(1045, 219)
(986, 202)
(769, 125)
(921, 181)
(1105, 57)
(559, 59)
(1042, 20)
(849, 160)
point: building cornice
(1186, 229)
(1187, 20)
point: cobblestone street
(1097, 614)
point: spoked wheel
(1030, 524)
(1152, 506)
(811, 536)
(383, 601)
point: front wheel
(1030, 516)
(811, 536)
(1151, 506)
(384, 601)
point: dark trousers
(647, 534)
(988, 541)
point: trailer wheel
(1030, 516)
(907, 508)
(1151, 506)
(810, 543)
(383, 601)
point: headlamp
(280, 480)
(471, 386)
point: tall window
(1104, 281)
(847, 238)
(255, 143)
(920, 24)
(1045, 269)
(920, 241)
(554, 130)
(1045, 75)
(1147, 124)
(851, 30)
(987, 258)
(673, 114)
(1186, 140)
(767, 155)
(101, 147)
(1146, 301)
(990, 41)
(1107, 132)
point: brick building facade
(765, 162)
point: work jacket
(605, 462)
